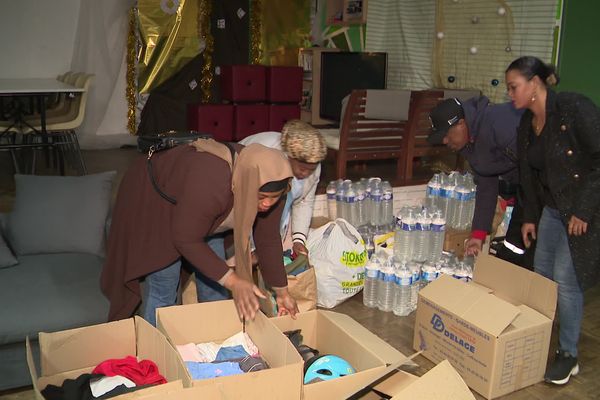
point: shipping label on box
(495, 332)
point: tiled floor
(395, 330)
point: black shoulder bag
(165, 141)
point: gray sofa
(55, 283)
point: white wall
(37, 37)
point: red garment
(144, 372)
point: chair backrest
(76, 112)
(423, 102)
(63, 77)
(360, 134)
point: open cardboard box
(68, 354)
(215, 322)
(334, 333)
(495, 331)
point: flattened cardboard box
(215, 322)
(334, 333)
(68, 354)
(495, 331)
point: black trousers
(504, 248)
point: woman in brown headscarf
(213, 193)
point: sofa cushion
(50, 293)
(60, 214)
(7, 258)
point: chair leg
(15, 161)
(340, 167)
(79, 154)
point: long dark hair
(530, 66)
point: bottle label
(433, 191)
(389, 277)
(462, 196)
(388, 196)
(372, 272)
(339, 197)
(408, 227)
(429, 276)
(350, 199)
(404, 281)
(416, 277)
(360, 197)
(446, 193)
(438, 228)
(376, 197)
(423, 227)
(330, 196)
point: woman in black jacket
(559, 162)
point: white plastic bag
(338, 254)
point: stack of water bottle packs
(415, 257)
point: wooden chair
(422, 103)
(363, 139)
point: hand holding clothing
(286, 303)
(300, 248)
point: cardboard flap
(62, 351)
(32, 368)
(472, 303)
(375, 344)
(516, 284)
(442, 382)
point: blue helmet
(327, 367)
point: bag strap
(151, 172)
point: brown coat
(148, 233)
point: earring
(533, 98)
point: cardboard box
(68, 354)
(454, 240)
(215, 322)
(495, 331)
(334, 333)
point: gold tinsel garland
(255, 32)
(131, 90)
(204, 12)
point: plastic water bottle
(340, 197)
(415, 286)
(387, 204)
(350, 200)
(387, 281)
(471, 207)
(402, 295)
(371, 282)
(462, 195)
(438, 231)
(446, 194)
(403, 237)
(361, 213)
(422, 237)
(432, 195)
(331, 203)
(376, 200)
(429, 273)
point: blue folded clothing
(229, 353)
(212, 370)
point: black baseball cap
(442, 117)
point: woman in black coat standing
(559, 162)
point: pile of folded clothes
(236, 355)
(109, 379)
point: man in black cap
(486, 136)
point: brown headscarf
(254, 166)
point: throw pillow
(60, 214)
(7, 259)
